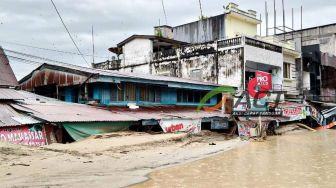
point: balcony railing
(263, 45)
(229, 42)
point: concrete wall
(205, 30)
(291, 85)
(230, 64)
(324, 37)
(310, 34)
(200, 68)
(235, 26)
(137, 51)
(195, 62)
(141, 69)
(263, 56)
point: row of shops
(31, 119)
(64, 103)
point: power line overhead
(73, 41)
(164, 11)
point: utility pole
(200, 5)
(93, 47)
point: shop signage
(23, 135)
(181, 125)
(257, 113)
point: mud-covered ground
(113, 160)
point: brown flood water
(300, 160)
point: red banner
(263, 80)
(23, 135)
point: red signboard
(263, 81)
(292, 111)
(23, 135)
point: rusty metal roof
(166, 112)
(10, 94)
(116, 74)
(7, 77)
(10, 117)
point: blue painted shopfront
(121, 94)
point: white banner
(181, 125)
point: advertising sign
(23, 135)
(296, 113)
(181, 125)
(244, 128)
(257, 113)
(258, 86)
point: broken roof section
(55, 111)
(10, 94)
(10, 117)
(42, 109)
(7, 77)
(167, 112)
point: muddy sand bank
(113, 160)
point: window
(117, 92)
(190, 96)
(286, 71)
(129, 92)
(150, 94)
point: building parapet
(260, 44)
(107, 65)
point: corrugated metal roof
(117, 74)
(167, 112)
(10, 94)
(10, 117)
(57, 112)
(34, 97)
(7, 77)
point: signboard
(264, 80)
(219, 124)
(258, 86)
(296, 113)
(257, 113)
(244, 128)
(181, 125)
(23, 135)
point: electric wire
(48, 49)
(33, 56)
(73, 41)
(164, 12)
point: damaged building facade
(212, 50)
(224, 50)
(143, 100)
(318, 46)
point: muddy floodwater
(298, 160)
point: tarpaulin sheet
(79, 131)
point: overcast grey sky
(35, 22)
